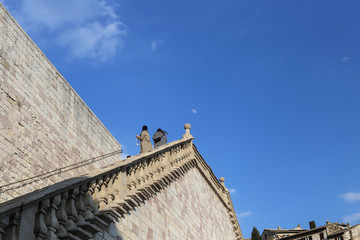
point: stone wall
(352, 233)
(187, 209)
(44, 124)
(355, 232)
(168, 193)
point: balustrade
(82, 210)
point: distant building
(330, 231)
(350, 233)
(272, 234)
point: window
(321, 236)
(340, 238)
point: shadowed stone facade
(44, 124)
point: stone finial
(279, 228)
(328, 222)
(187, 128)
(222, 181)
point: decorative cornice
(221, 191)
(92, 176)
(90, 202)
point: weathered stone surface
(44, 124)
(330, 231)
(168, 193)
(187, 209)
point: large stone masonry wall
(44, 124)
(187, 209)
(355, 233)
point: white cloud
(124, 152)
(59, 13)
(84, 28)
(124, 155)
(160, 40)
(4, 3)
(345, 59)
(93, 40)
(194, 111)
(155, 44)
(351, 197)
(352, 218)
(243, 215)
(232, 190)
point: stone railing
(80, 208)
(220, 189)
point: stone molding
(221, 191)
(81, 207)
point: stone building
(330, 231)
(61, 176)
(278, 233)
(349, 233)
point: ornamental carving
(83, 210)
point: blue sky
(270, 87)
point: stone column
(40, 228)
(51, 220)
(71, 210)
(62, 216)
(2, 230)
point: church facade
(53, 183)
